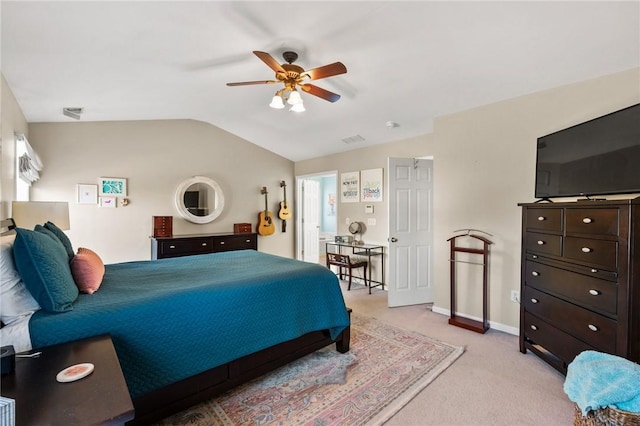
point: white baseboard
(494, 325)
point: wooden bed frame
(181, 395)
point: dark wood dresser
(580, 280)
(188, 245)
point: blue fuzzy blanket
(597, 380)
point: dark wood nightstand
(100, 398)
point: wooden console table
(101, 398)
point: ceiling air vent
(353, 139)
(72, 112)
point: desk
(365, 250)
(100, 398)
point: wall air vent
(353, 139)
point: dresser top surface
(209, 234)
(583, 203)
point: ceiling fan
(294, 76)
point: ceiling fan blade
(270, 61)
(247, 83)
(320, 92)
(326, 71)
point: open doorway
(316, 223)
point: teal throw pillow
(50, 234)
(66, 242)
(44, 267)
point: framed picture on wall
(108, 202)
(350, 187)
(371, 184)
(112, 186)
(87, 194)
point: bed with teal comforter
(173, 318)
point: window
(28, 166)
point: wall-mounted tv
(598, 157)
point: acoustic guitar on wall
(284, 214)
(265, 218)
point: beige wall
(154, 157)
(11, 121)
(484, 161)
(373, 157)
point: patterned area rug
(384, 369)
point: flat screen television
(598, 157)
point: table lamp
(28, 214)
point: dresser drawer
(592, 221)
(544, 220)
(235, 242)
(593, 329)
(586, 290)
(556, 341)
(600, 253)
(544, 243)
(187, 246)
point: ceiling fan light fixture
(294, 98)
(276, 102)
(298, 108)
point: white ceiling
(407, 62)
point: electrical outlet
(515, 296)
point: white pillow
(15, 300)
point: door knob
(393, 239)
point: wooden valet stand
(469, 324)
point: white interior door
(310, 220)
(410, 231)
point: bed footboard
(188, 392)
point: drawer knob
(594, 292)
(587, 220)
(534, 300)
(593, 327)
(541, 218)
(595, 271)
(535, 273)
(535, 256)
(221, 243)
(540, 242)
(247, 241)
(534, 327)
(586, 250)
(204, 244)
(172, 247)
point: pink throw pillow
(87, 270)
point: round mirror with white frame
(199, 199)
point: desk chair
(344, 261)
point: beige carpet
(385, 368)
(493, 384)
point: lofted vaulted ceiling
(407, 62)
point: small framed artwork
(371, 185)
(109, 202)
(350, 187)
(87, 194)
(112, 187)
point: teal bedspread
(172, 318)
